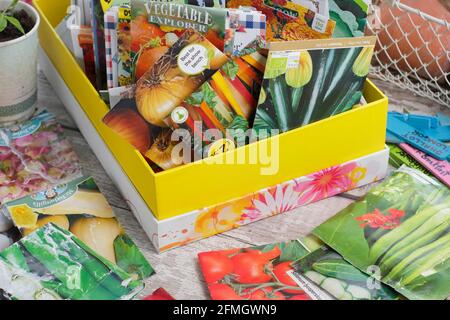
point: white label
(319, 23)
(293, 58)
(193, 59)
(310, 288)
(179, 115)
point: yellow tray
(326, 143)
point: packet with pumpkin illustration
(53, 264)
(78, 206)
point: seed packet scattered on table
(53, 264)
(35, 155)
(79, 207)
(257, 273)
(288, 21)
(325, 275)
(401, 230)
(310, 80)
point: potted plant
(18, 61)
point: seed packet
(79, 207)
(310, 80)
(123, 32)
(98, 9)
(111, 46)
(287, 21)
(53, 264)
(400, 230)
(256, 273)
(218, 114)
(246, 27)
(159, 294)
(35, 155)
(325, 275)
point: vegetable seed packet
(123, 33)
(79, 207)
(287, 21)
(111, 46)
(53, 264)
(35, 155)
(310, 80)
(325, 275)
(350, 17)
(399, 231)
(225, 103)
(256, 273)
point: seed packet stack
(399, 231)
(73, 247)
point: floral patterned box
(282, 198)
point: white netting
(412, 50)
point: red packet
(159, 294)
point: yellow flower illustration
(357, 174)
(23, 216)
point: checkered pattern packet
(111, 19)
(251, 25)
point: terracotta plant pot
(18, 76)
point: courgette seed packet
(325, 275)
(79, 207)
(400, 231)
(52, 264)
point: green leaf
(15, 23)
(3, 22)
(293, 251)
(12, 5)
(130, 258)
(231, 68)
(209, 95)
(196, 98)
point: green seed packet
(52, 264)
(400, 229)
(80, 208)
(325, 275)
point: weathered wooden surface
(177, 270)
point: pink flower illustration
(325, 183)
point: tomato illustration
(250, 267)
(222, 291)
(280, 272)
(300, 297)
(215, 266)
(267, 293)
(142, 32)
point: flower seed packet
(80, 208)
(398, 231)
(53, 264)
(310, 80)
(325, 275)
(33, 156)
(256, 273)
